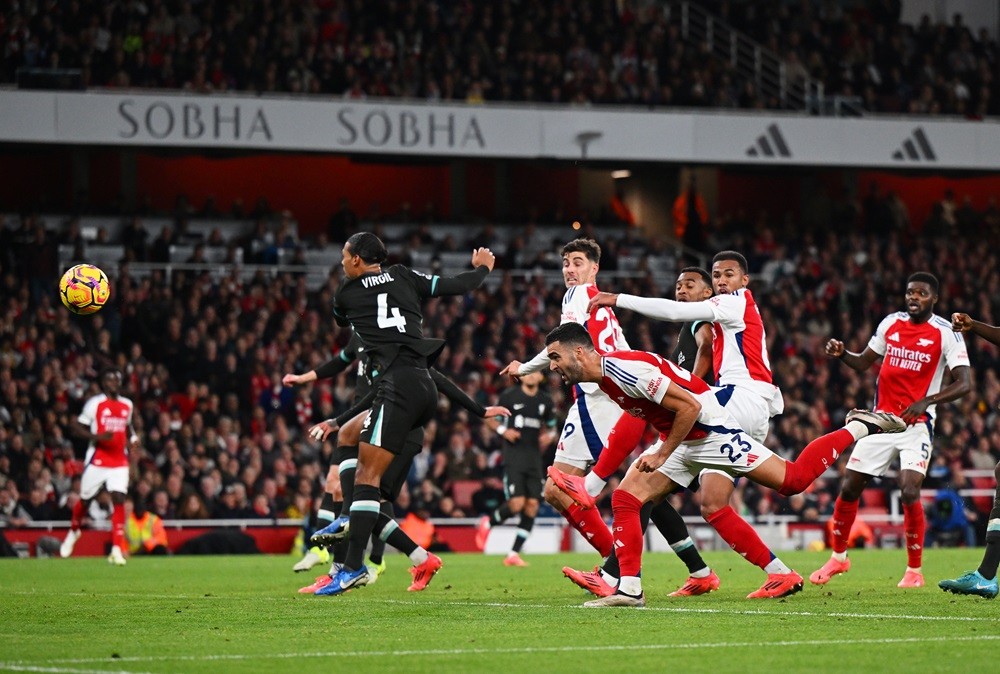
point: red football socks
(628, 532)
(118, 526)
(76, 519)
(591, 526)
(913, 529)
(844, 513)
(818, 455)
(741, 536)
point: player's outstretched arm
(964, 323)
(324, 428)
(453, 393)
(663, 309)
(483, 261)
(292, 379)
(856, 361)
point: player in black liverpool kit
(383, 306)
(531, 415)
(340, 479)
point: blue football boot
(971, 583)
(344, 581)
(333, 531)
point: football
(84, 289)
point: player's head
(581, 260)
(361, 251)
(570, 349)
(729, 272)
(693, 285)
(921, 295)
(110, 380)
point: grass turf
(211, 614)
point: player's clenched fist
(835, 348)
(961, 322)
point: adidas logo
(894, 337)
(770, 144)
(915, 148)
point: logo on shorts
(751, 458)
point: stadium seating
(673, 54)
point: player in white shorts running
(915, 347)
(106, 421)
(592, 415)
(697, 433)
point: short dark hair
(572, 334)
(705, 276)
(924, 277)
(734, 256)
(108, 372)
(588, 247)
(368, 247)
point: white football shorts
(95, 477)
(733, 454)
(872, 455)
(588, 424)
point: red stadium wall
(309, 186)
(269, 539)
(921, 192)
(35, 175)
(754, 191)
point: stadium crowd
(597, 52)
(223, 438)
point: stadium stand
(591, 53)
(201, 343)
(207, 309)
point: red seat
(873, 497)
(984, 504)
(462, 491)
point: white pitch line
(22, 667)
(533, 607)
(530, 650)
(721, 611)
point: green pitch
(220, 614)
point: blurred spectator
(144, 530)
(624, 54)
(690, 216)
